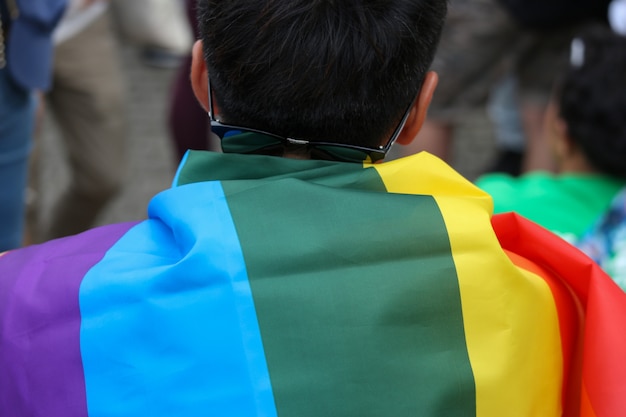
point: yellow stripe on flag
(510, 318)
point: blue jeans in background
(17, 112)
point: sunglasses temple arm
(210, 97)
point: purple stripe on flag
(41, 371)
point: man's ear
(199, 75)
(417, 114)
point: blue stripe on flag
(171, 329)
(182, 164)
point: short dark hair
(341, 71)
(592, 99)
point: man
(307, 283)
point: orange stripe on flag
(585, 405)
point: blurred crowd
(550, 75)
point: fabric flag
(263, 286)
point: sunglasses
(246, 140)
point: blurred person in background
(486, 40)
(25, 61)
(87, 100)
(503, 107)
(586, 128)
(605, 242)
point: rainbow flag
(263, 286)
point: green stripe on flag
(354, 321)
(207, 166)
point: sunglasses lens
(235, 139)
(343, 154)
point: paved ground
(151, 159)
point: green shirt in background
(567, 204)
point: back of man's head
(340, 71)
